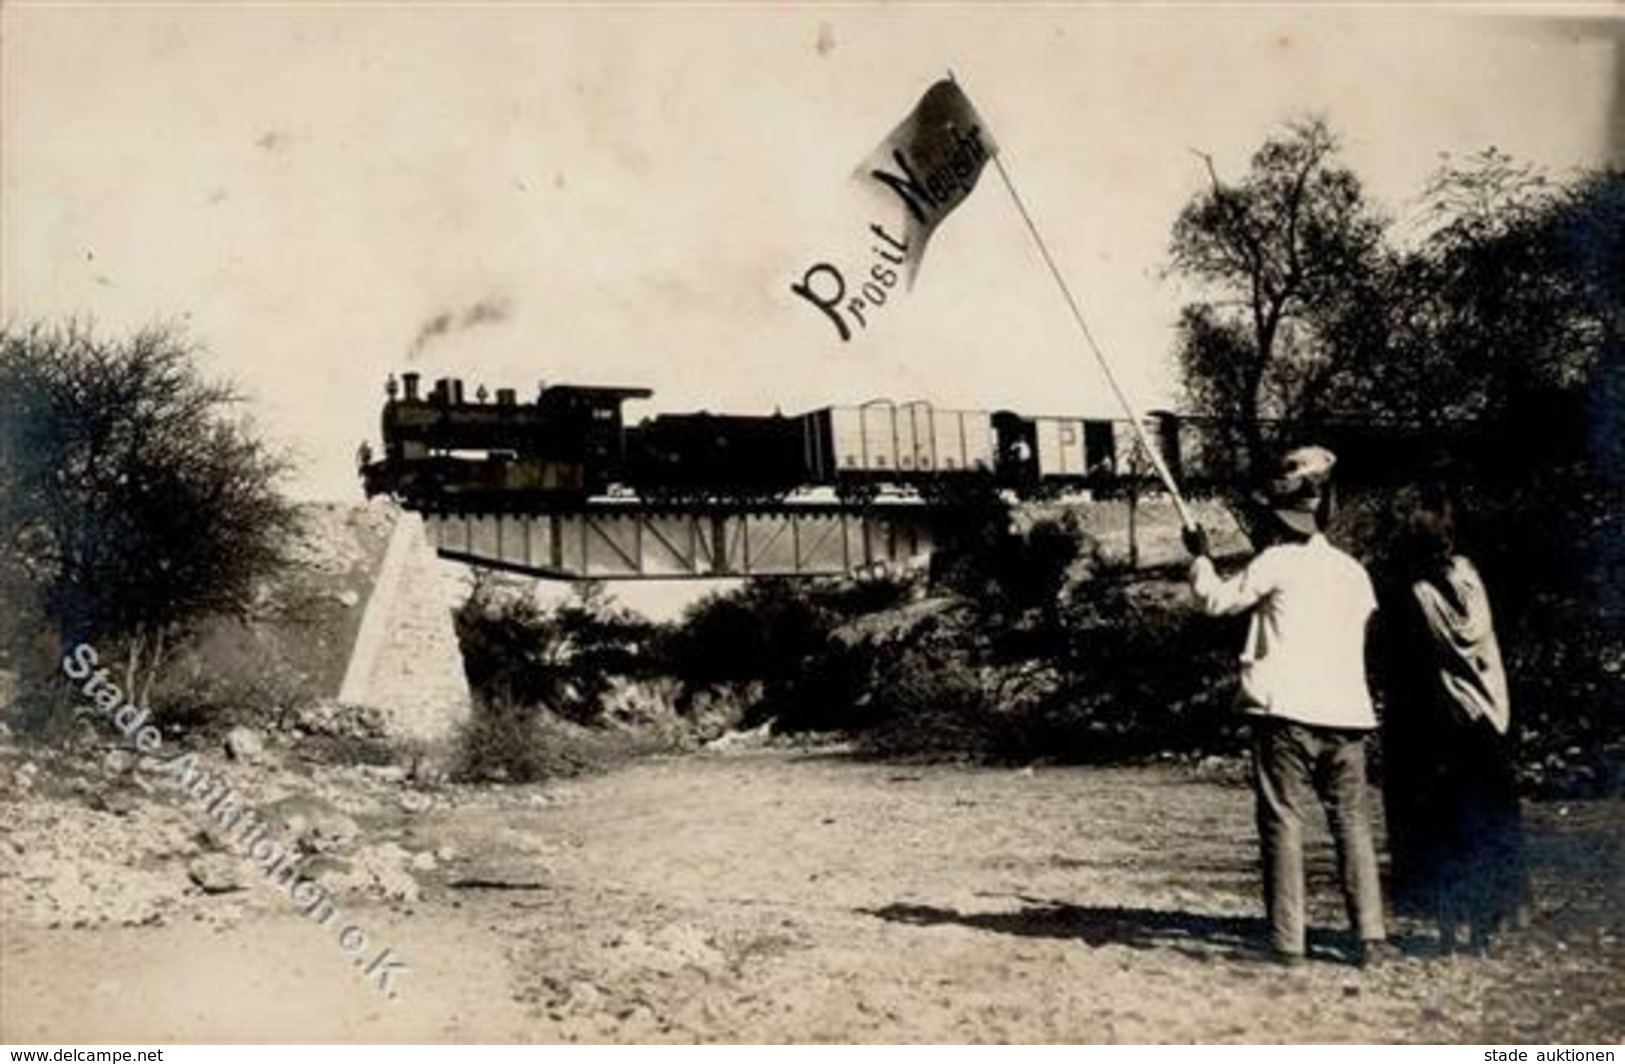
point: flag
(930, 163)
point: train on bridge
(564, 487)
(445, 452)
(572, 442)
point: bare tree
(1285, 253)
(134, 499)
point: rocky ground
(753, 894)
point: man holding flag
(1303, 670)
(1303, 682)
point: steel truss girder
(636, 542)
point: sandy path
(780, 896)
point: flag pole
(1134, 418)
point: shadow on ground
(1201, 935)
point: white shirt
(1305, 653)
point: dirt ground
(773, 895)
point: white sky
(306, 186)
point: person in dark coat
(1455, 834)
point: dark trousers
(1295, 764)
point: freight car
(859, 449)
(1048, 454)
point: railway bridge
(632, 539)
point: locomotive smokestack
(410, 382)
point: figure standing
(1455, 832)
(1303, 682)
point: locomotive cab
(591, 417)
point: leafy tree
(134, 501)
(1534, 305)
(1287, 254)
(1590, 231)
(1506, 301)
(1503, 314)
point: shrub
(505, 743)
(761, 631)
(1142, 672)
(566, 658)
(213, 700)
(928, 699)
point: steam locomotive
(572, 442)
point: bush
(566, 659)
(769, 643)
(504, 743)
(1143, 672)
(1553, 559)
(1050, 659)
(843, 684)
(761, 631)
(928, 699)
(213, 702)
(1009, 574)
(1131, 671)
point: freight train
(572, 442)
(442, 451)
